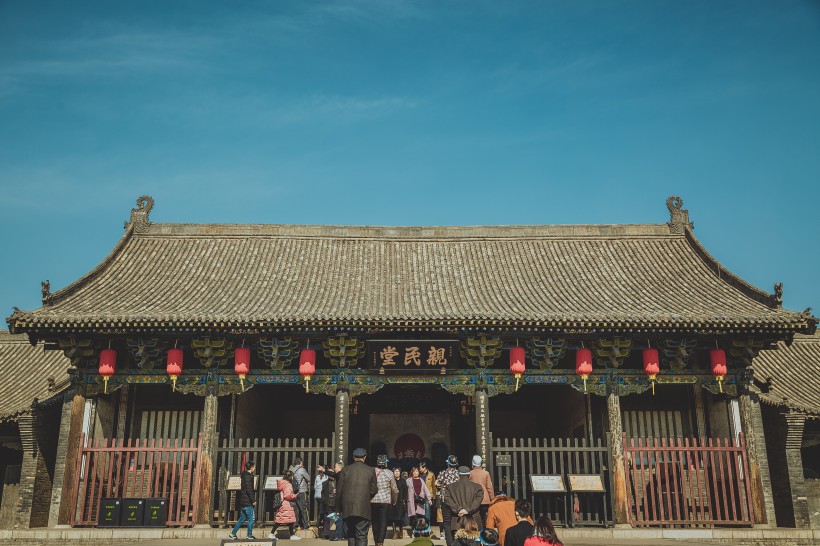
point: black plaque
(156, 512)
(131, 512)
(109, 514)
(394, 356)
(503, 460)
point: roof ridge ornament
(679, 216)
(778, 294)
(139, 216)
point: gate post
(341, 421)
(207, 453)
(620, 509)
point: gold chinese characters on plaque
(402, 356)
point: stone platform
(571, 537)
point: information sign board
(234, 482)
(503, 460)
(270, 483)
(547, 483)
(586, 483)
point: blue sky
(410, 113)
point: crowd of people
(353, 498)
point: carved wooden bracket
(343, 351)
(147, 352)
(212, 353)
(613, 352)
(677, 352)
(278, 353)
(546, 353)
(481, 352)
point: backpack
(277, 501)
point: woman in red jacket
(286, 515)
(544, 534)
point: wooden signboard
(411, 356)
(270, 483)
(235, 482)
(586, 483)
(547, 483)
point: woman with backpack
(285, 514)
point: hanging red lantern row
(518, 363)
(583, 364)
(173, 366)
(307, 366)
(242, 364)
(108, 364)
(651, 365)
(718, 359)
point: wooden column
(620, 510)
(122, 411)
(59, 482)
(752, 424)
(208, 429)
(795, 423)
(482, 426)
(341, 419)
(700, 411)
(68, 492)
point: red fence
(137, 468)
(687, 482)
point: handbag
(420, 500)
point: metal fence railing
(692, 482)
(137, 468)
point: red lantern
(242, 364)
(518, 363)
(718, 358)
(651, 365)
(108, 363)
(583, 365)
(173, 366)
(307, 366)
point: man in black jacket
(518, 533)
(354, 489)
(245, 501)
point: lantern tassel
(517, 377)
(652, 381)
(105, 384)
(720, 383)
(584, 377)
(307, 383)
(242, 381)
(173, 383)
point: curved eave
(727, 276)
(805, 325)
(94, 273)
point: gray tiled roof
(636, 275)
(794, 372)
(28, 372)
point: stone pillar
(28, 470)
(751, 420)
(73, 429)
(61, 458)
(210, 438)
(795, 423)
(482, 427)
(341, 420)
(620, 503)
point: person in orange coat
(501, 515)
(286, 515)
(482, 477)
